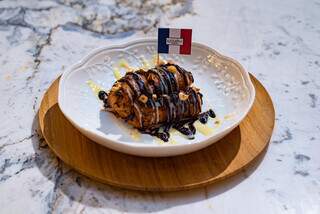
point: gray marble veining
(277, 41)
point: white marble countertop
(278, 41)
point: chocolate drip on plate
(154, 100)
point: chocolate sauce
(104, 97)
(185, 127)
(133, 78)
(203, 118)
(183, 73)
(191, 130)
(162, 88)
(175, 108)
(168, 78)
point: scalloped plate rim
(214, 137)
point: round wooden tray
(216, 162)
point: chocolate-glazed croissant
(161, 96)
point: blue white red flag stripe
(174, 41)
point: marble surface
(278, 41)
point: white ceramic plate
(225, 85)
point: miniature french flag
(174, 41)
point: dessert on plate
(157, 99)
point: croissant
(161, 96)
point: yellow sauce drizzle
(154, 59)
(123, 64)
(228, 116)
(159, 141)
(175, 132)
(217, 123)
(94, 87)
(171, 140)
(145, 63)
(116, 73)
(135, 135)
(203, 129)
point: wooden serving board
(216, 162)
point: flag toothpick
(174, 41)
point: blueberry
(102, 95)
(211, 113)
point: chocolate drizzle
(162, 88)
